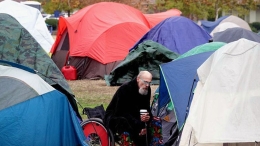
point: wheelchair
(93, 128)
(95, 131)
(98, 135)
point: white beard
(143, 91)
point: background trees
(211, 9)
(193, 9)
(50, 6)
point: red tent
(102, 33)
(156, 18)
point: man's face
(143, 84)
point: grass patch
(91, 93)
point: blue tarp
(210, 25)
(178, 80)
(178, 34)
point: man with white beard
(123, 112)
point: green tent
(146, 56)
(17, 45)
(213, 46)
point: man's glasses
(146, 82)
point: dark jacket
(123, 112)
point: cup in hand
(144, 115)
(143, 112)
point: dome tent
(179, 34)
(225, 108)
(18, 46)
(97, 37)
(33, 112)
(211, 26)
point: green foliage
(255, 26)
(61, 5)
(50, 7)
(201, 9)
(191, 9)
(254, 29)
(52, 22)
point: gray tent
(234, 34)
(146, 56)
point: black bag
(96, 112)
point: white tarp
(226, 103)
(31, 19)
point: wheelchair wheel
(96, 133)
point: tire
(96, 133)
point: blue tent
(33, 113)
(178, 80)
(178, 34)
(210, 25)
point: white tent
(226, 103)
(31, 19)
(223, 26)
(240, 22)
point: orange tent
(103, 32)
(156, 18)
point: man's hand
(143, 132)
(145, 117)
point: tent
(209, 26)
(97, 37)
(222, 27)
(147, 56)
(177, 82)
(225, 106)
(234, 34)
(34, 113)
(19, 46)
(178, 34)
(31, 19)
(207, 47)
(156, 18)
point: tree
(61, 5)
(69, 5)
(201, 9)
(242, 7)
